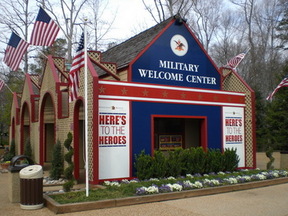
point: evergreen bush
(143, 165)
(11, 153)
(231, 160)
(185, 161)
(28, 148)
(159, 165)
(68, 172)
(214, 161)
(57, 165)
(269, 154)
(174, 163)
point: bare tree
(204, 20)
(261, 18)
(228, 40)
(15, 16)
(70, 15)
(99, 26)
(160, 10)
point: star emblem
(124, 91)
(183, 95)
(145, 92)
(165, 94)
(102, 89)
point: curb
(85, 206)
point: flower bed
(135, 188)
(131, 192)
(190, 182)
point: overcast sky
(131, 18)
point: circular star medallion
(179, 45)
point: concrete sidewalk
(264, 201)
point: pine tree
(57, 161)
(276, 121)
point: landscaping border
(85, 206)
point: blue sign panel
(141, 121)
(176, 59)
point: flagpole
(86, 108)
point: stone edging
(84, 206)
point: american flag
(2, 83)
(14, 52)
(283, 83)
(45, 30)
(234, 62)
(77, 63)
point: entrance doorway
(25, 127)
(47, 130)
(79, 149)
(171, 132)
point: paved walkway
(266, 201)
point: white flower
(198, 184)
(126, 181)
(152, 189)
(264, 173)
(246, 178)
(115, 184)
(108, 183)
(211, 182)
(261, 176)
(231, 180)
(171, 178)
(215, 182)
(153, 179)
(189, 176)
(175, 187)
(221, 173)
(275, 174)
(284, 173)
(188, 183)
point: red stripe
(44, 34)
(13, 56)
(1, 84)
(171, 94)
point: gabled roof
(122, 54)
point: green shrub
(143, 166)
(12, 148)
(57, 165)
(68, 172)
(214, 161)
(184, 161)
(28, 148)
(68, 185)
(174, 162)
(159, 165)
(11, 153)
(269, 154)
(231, 160)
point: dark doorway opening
(179, 132)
